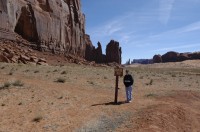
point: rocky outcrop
(113, 52)
(55, 25)
(183, 57)
(175, 57)
(195, 55)
(170, 57)
(89, 49)
(98, 56)
(157, 59)
(13, 53)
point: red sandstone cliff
(58, 25)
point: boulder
(4, 59)
(24, 58)
(34, 59)
(42, 60)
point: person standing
(128, 82)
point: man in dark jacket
(128, 82)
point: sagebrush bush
(18, 83)
(37, 119)
(61, 80)
(6, 85)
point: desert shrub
(63, 72)
(61, 80)
(141, 77)
(173, 75)
(37, 71)
(6, 85)
(10, 73)
(27, 70)
(91, 82)
(55, 70)
(18, 83)
(151, 82)
(37, 119)
(151, 95)
(105, 77)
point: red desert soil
(79, 98)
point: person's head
(127, 72)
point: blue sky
(144, 27)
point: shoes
(128, 101)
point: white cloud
(165, 9)
(192, 27)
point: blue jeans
(129, 93)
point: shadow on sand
(111, 103)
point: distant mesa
(173, 56)
(53, 26)
(170, 56)
(139, 61)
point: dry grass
(83, 98)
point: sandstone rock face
(170, 57)
(57, 25)
(157, 59)
(113, 52)
(98, 56)
(89, 49)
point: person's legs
(129, 93)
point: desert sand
(166, 97)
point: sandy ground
(166, 98)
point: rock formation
(113, 52)
(183, 57)
(56, 25)
(170, 57)
(157, 59)
(175, 57)
(89, 50)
